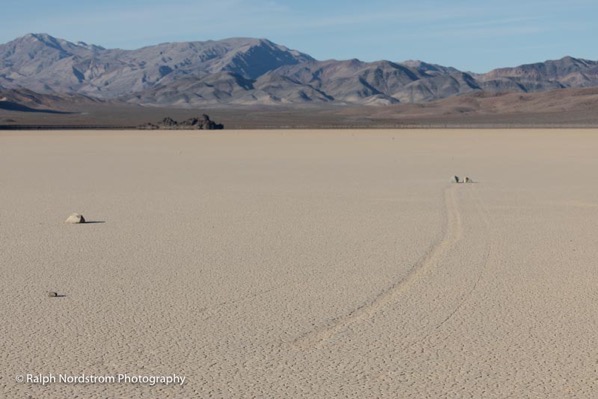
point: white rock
(75, 218)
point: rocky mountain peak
(257, 71)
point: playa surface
(301, 264)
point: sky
(474, 36)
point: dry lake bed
(299, 264)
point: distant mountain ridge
(257, 71)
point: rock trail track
(452, 233)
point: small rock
(52, 294)
(468, 180)
(456, 179)
(75, 218)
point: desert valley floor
(301, 264)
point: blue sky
(470, 35)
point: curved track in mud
(453, 232)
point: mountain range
(247, 71)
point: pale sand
(304, 264)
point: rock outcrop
(200, 123)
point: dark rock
(207, 124)
(203, 123)
(168, 122)
(189, 123)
